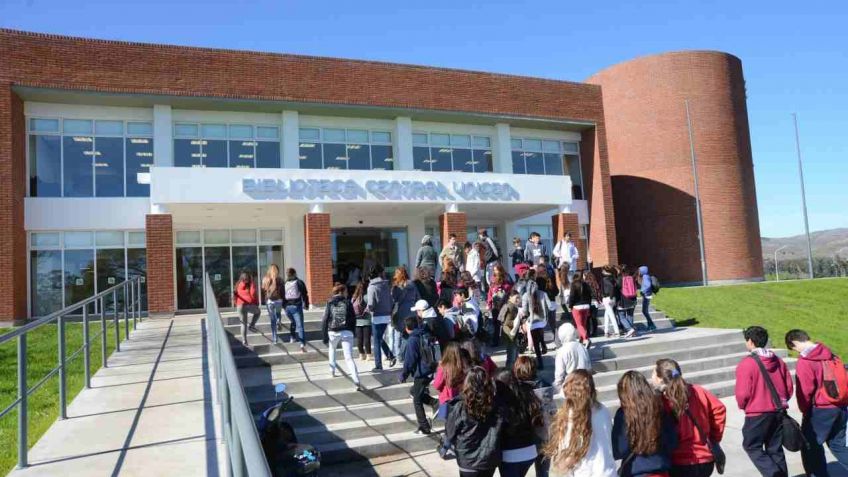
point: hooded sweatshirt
(809, 375)
(379, 300)
(647, 286)
(533, 252)
(752, 392)
(570, 356)
(426, 254)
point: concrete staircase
(345, 424)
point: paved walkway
(149, 413)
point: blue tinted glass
(553, 164)
(421, 158)
(482, 161)
(518, 163)
(335, 156)
(109, 166)
(360, 157)
(139, 160)
(214, 153)
(242, 153)
(46, 125)
(218, 131)
(140, 129)
(44, 166)
(440, 139)
(462, 160)
(381, 137)
(186, 152)
(79, 275)
(310, 134)
(46, 281)
(310, 155)
(267, 132)
(460, 140)
(357, 136)
(109, 128)
(78, 174)
(381, 158)
(440, 157)
(334, 135)
(110, 271)
(268, 154)
(240, 131)
(186, 130)
(419, 138)
(535, 164)
(573, 170)
(515, 143)
(76, 126)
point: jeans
(275, 310)
(511, 353)
(346, 339)
(477, 473)
(295, 314)
(646, 311)
(581, 321)
(515, 469)
(824, 425)
(538, 342)
(243, 311)
(552, 324)
(363, 339)
(377, 332)
(626, 317)
(763, 442)
(394, 339)
(694, 470)
(609, 317)
(421, 396)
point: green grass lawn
(42, 352)
(820, 307)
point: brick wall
(319, 262)
(453, 223)
(13, 249)
(563, 223)
(160, 263)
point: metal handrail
(246, 456)
(131, 294)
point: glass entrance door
(362, 248)
(217, 260)
(189, 278)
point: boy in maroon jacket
(823, 421)
(761, 436)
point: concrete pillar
(402, 144)
(13, 241)
(160, 264)
(291, 140)
(502, 149)
(453, 223)
(319, 262)
(568, 222)
(163, 136)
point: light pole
(776, 269)
(803, 198)
(697, 196)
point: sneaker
(303, 348)
(333, 371)
(652, 327)
(392, 363)
(253, 328)
(588, 343)
(292, 340)
(443, 452)
(359, 388)
(630, 333)
(422, 431)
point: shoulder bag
(715, 448)
(793, 438)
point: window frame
(562, 153)
(371, 142)
(471, 147)
(227, 138)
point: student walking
(547, 283)
(535, 249)
(272, 291)
(646, 288)
(338, 326)
(523, 423)
(580, 436)
(625, 300)
(478, 357)
(474, 261)
(474, 426)
(450, 375)
(404, 296)
(762, 431)
(510, 323)
(643, 434)
(570, 356)
(820, 381)
(517, 256)
(426, 256)
(378, 299)
(700, 420)
(363, 321)
(420, 364)
(295, 299)
(592, 323)
(247, 302)
(498, 291)
(454, 252)
(579, 304)
(427, 288)
(535, 305)
(566, 254)
(608, 300)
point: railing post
(126, 315)
(140, 307)
(117, 322)
(133, 304)
(63, 380)
(22, 395)
(86, 342)
(103, 335)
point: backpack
(628, 287)
(490, 255)
(292, 290)
(427, 353)
(834, 388)
(655, 285)
(338, 315)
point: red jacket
(246, 295)
(506, 287)
(809, 376)
(446, 393)
(711, 416)
(752, 392)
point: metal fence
(129, 309)
(246, 456)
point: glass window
(482, 142)
(188, 237)
(440, 139)
(310, 155)
(419, 138)
(187, 152)
(244, 236)
(534, 163)
(570, 147)
(310, 134)
(189, 278)
(421, 158)
(217, 262)
(381, 137)
(359, 157)
(553, 164)
(76, 126)
(45, 165)
(45, 240)
(139, 158)
(109, 239)
(78, 174)
(334, 135)
(268, 154)
(79, 275)
(140, 129)
(532, 145)
(44, 125)
(111, 270)
(217, 131)
(357, 135)
(46, 281)
(109, 128)
(244, 260)
(267, 132)
(270, 254)
(550, 146)
(572, 163)
(136, 239)
(109, 166)
(381, 157)
(462, 160)
(214, 153)
(271, 235)
(216, 237)
(335, 156)
(518, 166)
(242, 153)
(186, 130)
(240, 131)
(460, 140)
(440, 159)
(137, 267)
(516, 143)
(78, 240)
(482, 161)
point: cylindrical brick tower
(651, 169)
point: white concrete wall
(85, 213)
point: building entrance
(356, 251)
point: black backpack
(490, 255)
(655, 285)
(338, 315)
(427, 353)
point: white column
(291, 140)
(294, 249)
(163, 136)
(502, 149)
(402, 144)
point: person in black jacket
(415, 365)
(523, 424)
(475, 425)
(580, 304)
(338, 325)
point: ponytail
(673, 386)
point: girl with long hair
(451, 372)
(590, 279)
(446, 285)
(547, 283)
(499, 288)
(474, 426)
(535, 305)
(404, 296)
(363, 320)
(338, 325)
(523, 424)
(580, 303)
(247, 302)
(426, 286)
(700, 420)
(478, 357)
(625, 298)
(580, 436)
(608, 300)
(643, 434)
(272, 292)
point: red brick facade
(319, 263)
(563, 223)
(453, 223)
(13, 244)
(160, 263)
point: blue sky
(795, 57)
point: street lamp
(776, 269)
(803, 199)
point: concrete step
(621, 347)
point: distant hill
(826, 243)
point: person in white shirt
(570, 357)
(566, 253)
(580, 436)
(473, 264)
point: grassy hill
(826, 243)
(818, 306)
